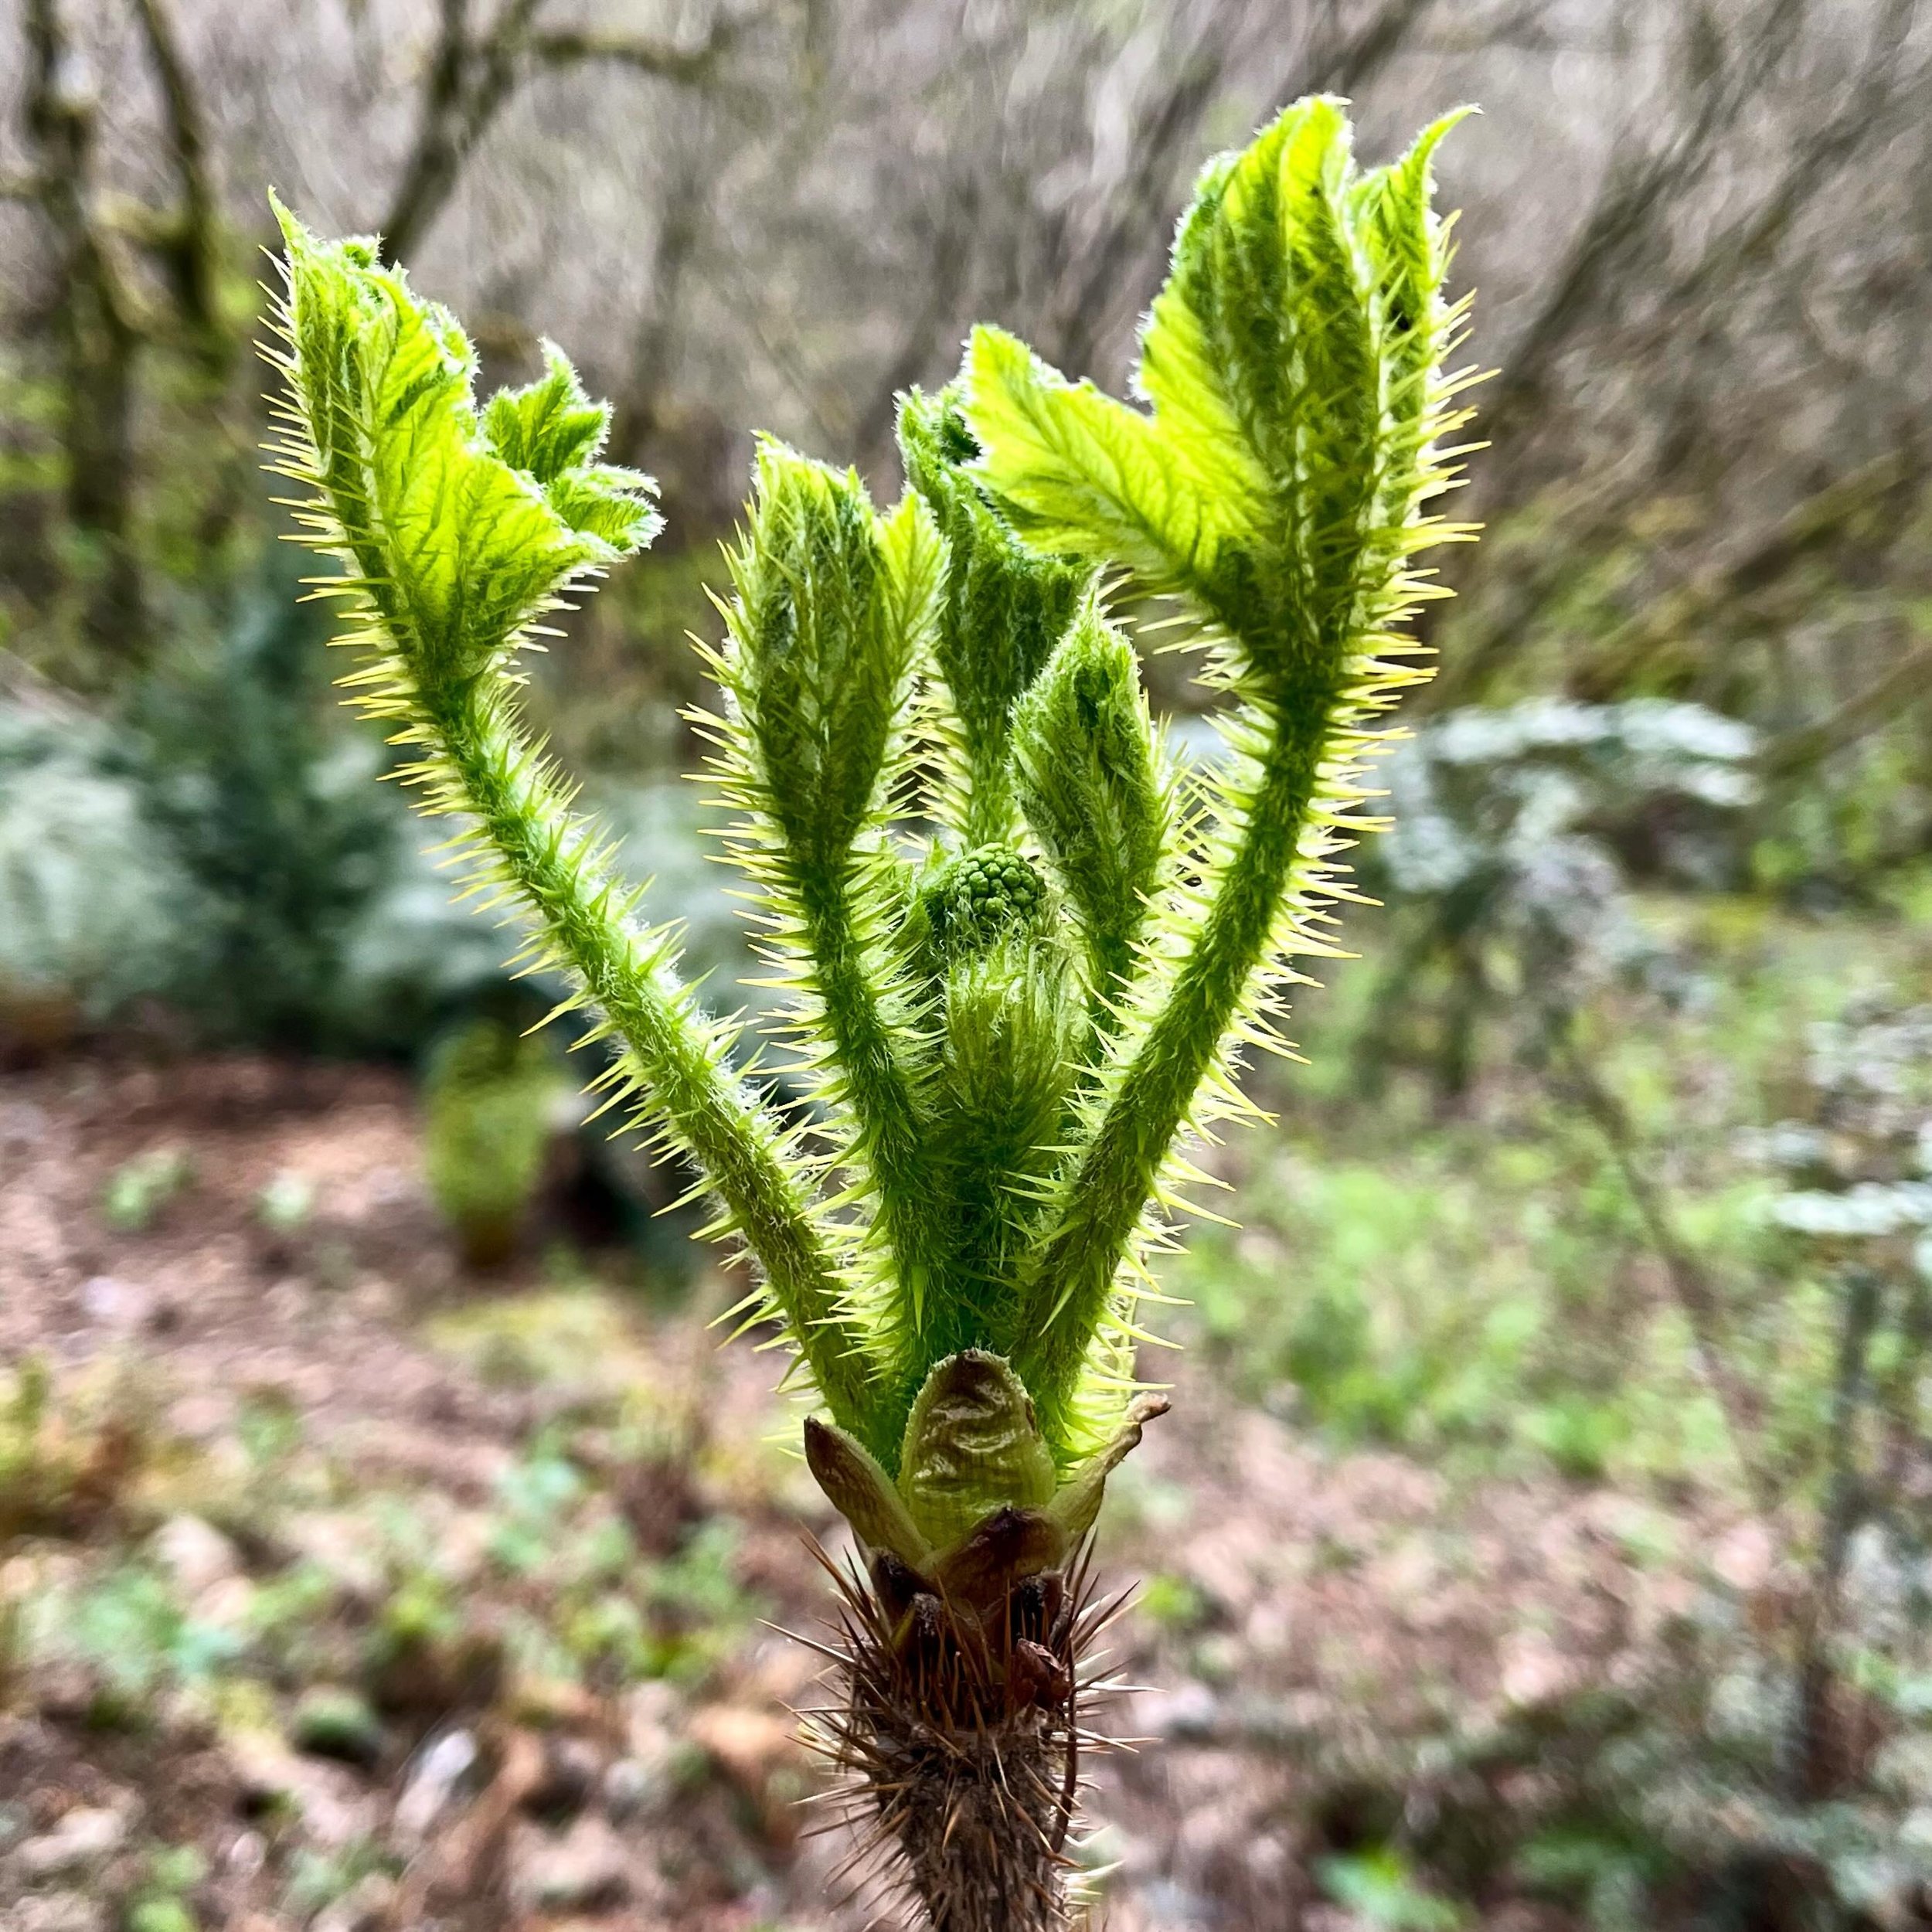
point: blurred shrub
(1836, 828)
(214, 845)
(270, 819)
(1521, 835)
(491, 1099)
(1512, 791)
(88, 890)
(72, 1460)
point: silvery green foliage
(1022, 954)
(87, 894)
(1519, 819)
(1858, 1171)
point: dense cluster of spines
(1024, 952)
(963, 1737)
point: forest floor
(341, 1587)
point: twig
(190, 243)
(1808, 1742)
(471, 79)
(1796, 753)
(1691, 1284)
(1799, 534)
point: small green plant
(139, 1189)
(163, 1902)
(1379, 1888)
(489, 1101)
(128, 1630)
(286, 1203)
(317, 1878)
(1025, 955)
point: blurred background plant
(493, 1099)
(281, 843)
(1606, 1172)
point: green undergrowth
(593, 1563)
(1475, 1282)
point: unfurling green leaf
(1275, 486)
(833, 606)
(457, 547)
(1091, 785)
(1006, 606)
(1292, 365)
(550, 426)
(447, 553)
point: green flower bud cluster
(979, 897)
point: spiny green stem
(734, 1140)
(1066, 1297)
(895, 1131)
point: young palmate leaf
(1023, 952)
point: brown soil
(1313, 1614)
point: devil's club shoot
(1025, 952)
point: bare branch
(1698, 1294)
(470, 80)
(642, 404)
(430, 174)
(1355, 62)
(96, 322)
(1795, 754)
(190, 250)
(666, 59)
(1771, 556)
(1135, 224)
(948, 256)
(1884, 84)
(1640, 193)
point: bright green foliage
(1006, 607)
(489, 1099)
(1089, 774)
(450, 555)
(1022, 952)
